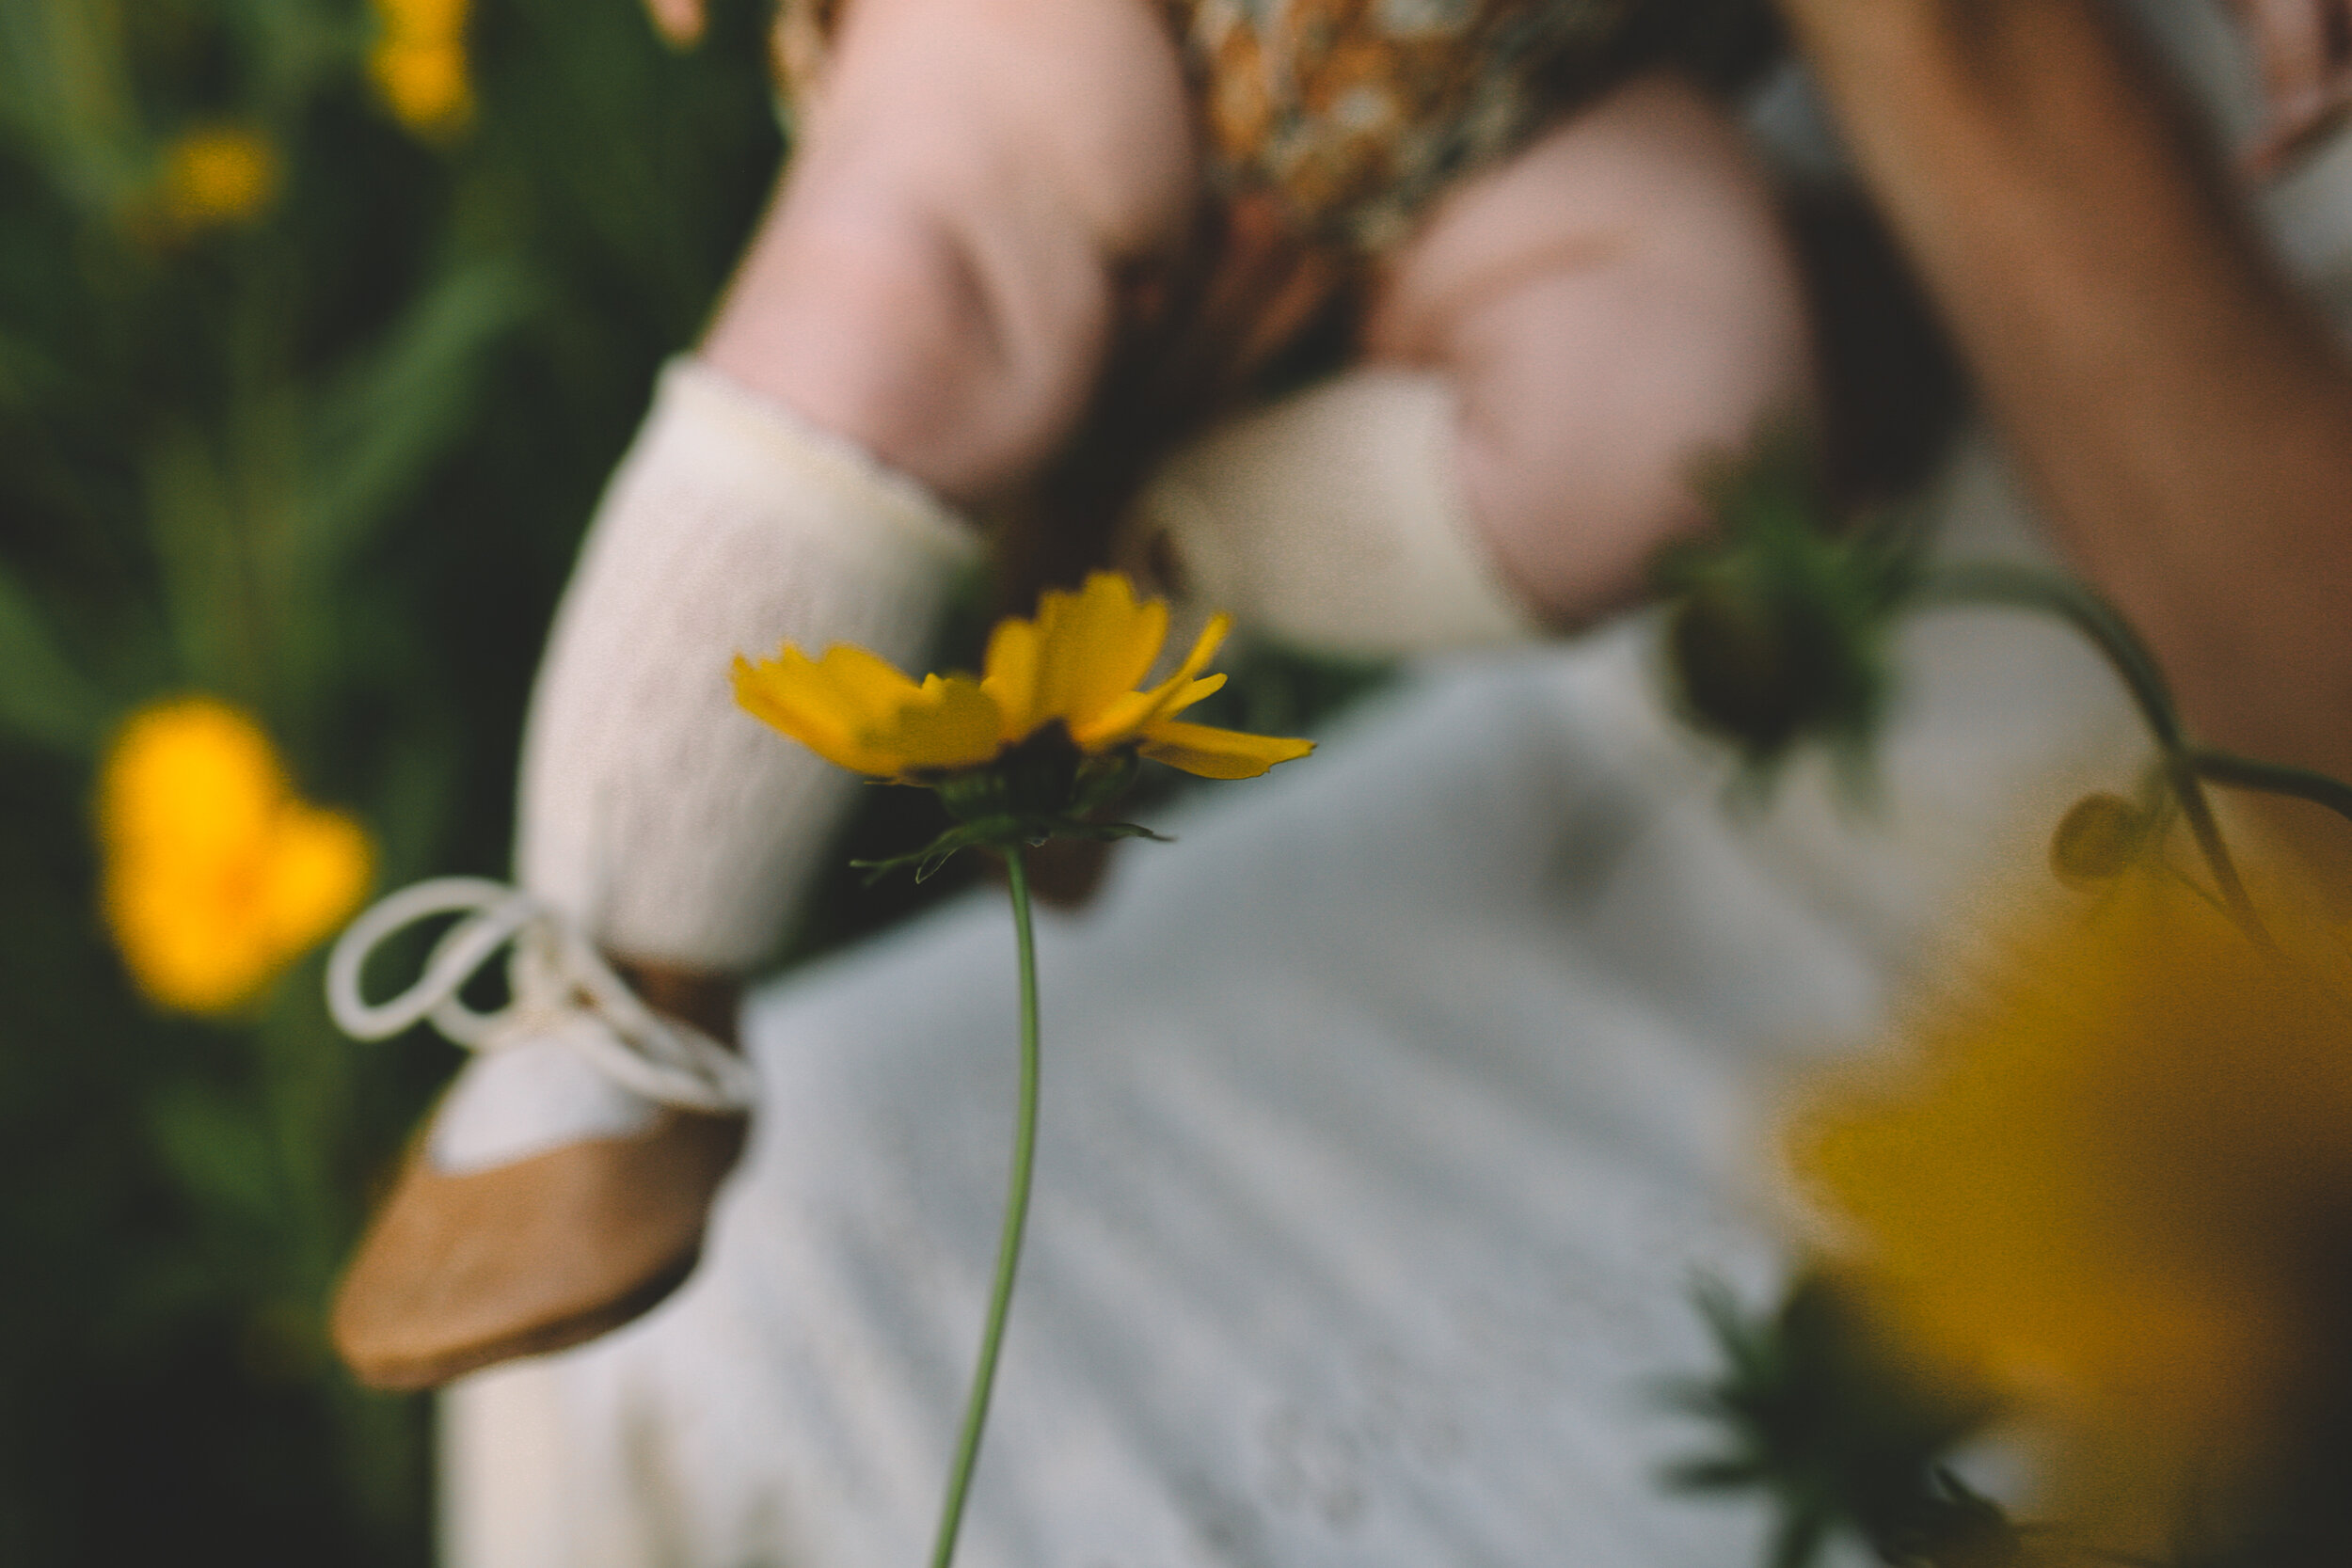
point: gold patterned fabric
(1356, 112)
(1350, 114)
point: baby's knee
(936, 280)
(1612, 310)
(1061, 110)
(1655, 174)
(876, 325)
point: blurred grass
(329, 464)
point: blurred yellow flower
(216, 874)
(2107, 1179)
(1077, 663)
(419, 64)
(424, 19)
(219, 174)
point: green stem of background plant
(2274, 778)
(2007, 585)
(1016, 1216)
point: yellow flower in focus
(419, 64)
(217, 874)
(218, 175)
(2106, 1180)
(1078, 664)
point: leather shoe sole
(457, 1273)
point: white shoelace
(555, 976)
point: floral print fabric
(1352, 114)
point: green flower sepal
(1044, 788)
(1821, 1410)
(1779, 625)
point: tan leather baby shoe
(457, 1273)
(561, 1187)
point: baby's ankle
(709, 1000)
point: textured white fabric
(670, 824)
(1333, 520)
(1387, 1117)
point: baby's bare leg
(933, 281)
(1610, 308)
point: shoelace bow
(553, 974)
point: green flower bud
(1762, 674)
(1780, 628)
(2097, 840)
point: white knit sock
(667, 824)
(1333, 520)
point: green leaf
(1843, 1432)
(297, 47)
(220, 1155)
(400, 405)
(197, 531)
(44, 699)
(29, 377)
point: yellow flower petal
(1204, 648)
(1211, 753)
(1075, 662)
(1010, 676)
(1134, 713)
(794, 694)
(192, 778)
(950, 723)
(219, 174)
(216, 876)
(423, 18)
(185, 937)
(315, 872)
(422, 80)
(856, 712)
(841, 706)
(1127, 717)
(870, 684)
(1093, 646)
(2097, 1178)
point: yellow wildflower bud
(423, 19)
(419, 64)
(424, 83)
(2097, 840)
(216, 874)
(218, 175)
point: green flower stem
(2274, 778)
(1016, 1215)
(2004, 585)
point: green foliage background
(330, 465)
